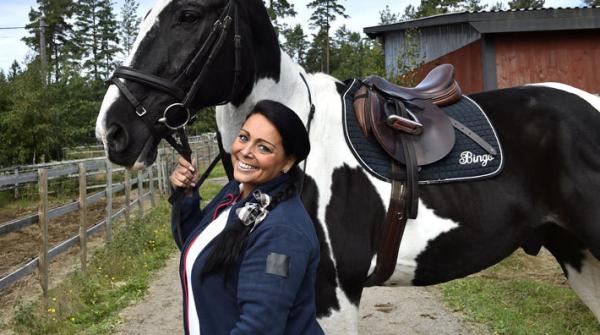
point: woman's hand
(185, 174)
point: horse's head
(189, 54)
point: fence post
(140, 185)
(159, 172)
(151, 185)
(109, 198)
(166, 182)
(43, 222)
(17, 183)
(127, 196)
(82, 216)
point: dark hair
(230, 244)
(293, 133)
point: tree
(526, 4)
(26, 135)
(296, 44)
(473, 6)
(57, 15)
(95, 33)
(434, 7)
(14, 70)
(591, 2)
(355, 56)
(278, 10)
(315, 57)
(387, 17)
(325, 12)
(409, 60)
(498, 6)
(130, 23)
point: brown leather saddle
(390, 112)
(411, 128)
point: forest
(50, 101)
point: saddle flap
(434, 142)
(364, 101)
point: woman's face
(257, 154)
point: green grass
(117, 275)
(520, 304)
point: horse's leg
(580, 267)
(585, 281)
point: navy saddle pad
(466, 161)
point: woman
(249, 258)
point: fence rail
(204, 149)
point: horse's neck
(289, 90)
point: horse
(225, 53)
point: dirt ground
(384, 310)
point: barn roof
(485, 22)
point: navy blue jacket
(258, 299)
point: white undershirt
(195, 248)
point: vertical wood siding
(568, 57)
(467, 67)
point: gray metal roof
(545, 19)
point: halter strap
(147, 79)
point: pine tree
(355, 56)
(130, 23)
(279, 10)
(296, 44)
(432, 7)
(57, 15)
(95, 33)
(109, 38)
(315, 60)
(387, 17)
(325, 12)
(473, 6)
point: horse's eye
(188, 16)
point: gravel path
(384, 310)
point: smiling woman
(252, 253)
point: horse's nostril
(117, 138)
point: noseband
(177, 115)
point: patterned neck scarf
(253, 213)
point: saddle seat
(389, 113)
(438, 86)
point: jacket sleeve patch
(278, 264)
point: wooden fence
(145, 182)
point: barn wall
(568, 57)
(467, 67)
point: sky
(14, 13)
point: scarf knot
(253, 213)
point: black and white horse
(546, 195)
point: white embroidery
(468, 158)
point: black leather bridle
(178, 114)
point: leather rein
(177, 115)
